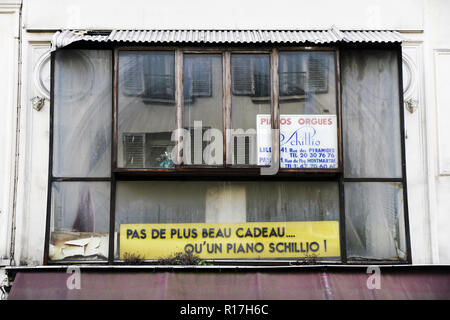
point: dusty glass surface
(250, 88)
(308, 122)
(79, 221)
(224, 202)
(371, 113)
(202, 112)
(307, 83)
(292, 201)
(82, 113)
(146, 109)
(374, 217)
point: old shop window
(229, 99)
(81, 161)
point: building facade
(92, 167)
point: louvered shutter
(317, 73)
(243, 81)
(159, 79)
(292, 77)
(201, 77)
(243, 154)
(134, 150)
(203, 144)
(133, 83)
(197, 77)
(262, 77)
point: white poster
(306, 141)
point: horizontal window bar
(373, 179)
(63, 179)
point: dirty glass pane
(146, 109)
(82, 113)
(308, 121)
(371, 113)
(375, 227)
(223, 202)
(250, 111)
(307, 83)
(79, 221)
(202, 112)
(292, 201)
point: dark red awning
(207, 284)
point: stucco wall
(230, 14)
(437, 79)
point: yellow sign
(250, 240)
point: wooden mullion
(227, 154)
(275, 107)
(179, 103)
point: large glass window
(374, 201)
(374, 221)
(146, 109)
(308, 105)
(161, 151)
(81, 157)
(82, 116)
(152, 203)
(202, 112)
(371, 114)
(250, 88)
(80, 221)
(307, 83)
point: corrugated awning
(333, 35)
(307, 284)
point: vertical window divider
(115, 113)
(112, 220)
(403, 150)
(275, 107)
(342, 231)
(50, 162)
(226, 101)
(179, 103)
(114, 140)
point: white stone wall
(230, 14)
(437, 110)
(9, 58)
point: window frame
(227, 167)
(227, 171)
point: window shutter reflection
(243, 82)
(317, 74)
(134, 147)
(133, 76)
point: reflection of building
(99, 155)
